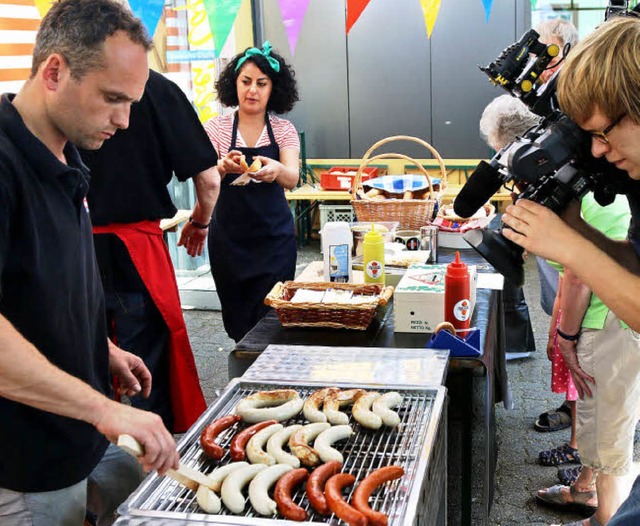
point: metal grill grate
(408, 445)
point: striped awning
(19, 22)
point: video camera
(552, 161)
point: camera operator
(598, 89)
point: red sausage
(283, 491)
(209, 434)
(362, 493)
(239, 442)
(315, 485)
(339, 506)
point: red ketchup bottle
(457, 303)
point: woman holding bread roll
(252, 242)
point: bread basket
(334, 315)
(409, 213)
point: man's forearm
(207, 186)
(26, 376)
(614, 284)
(574, 303)
(620, 250)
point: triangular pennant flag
(534, 4)
(487, 8)
(222, 15)
(292, 15)
(430, 8)
(148, 11)
(354, 10)
(43, 6)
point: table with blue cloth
(466, 377)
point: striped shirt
(220, 129)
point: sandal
(556, 456)
(554, 497)
(554, 420)
(568, 476)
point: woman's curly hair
(284, 94)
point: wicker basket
(333, 315)
(445, 213)
(410, 213)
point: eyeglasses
(601, 136)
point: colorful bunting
(354, 10)
(292, 15)
(222, 15)
(43, 6)
(148, 11)
(487, 8)
(430, 8)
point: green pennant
(222, 15)
(534, 4)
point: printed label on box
(339, 263)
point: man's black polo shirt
(50, 291)
(130, 173)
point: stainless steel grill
(410, 445)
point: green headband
(265, 52)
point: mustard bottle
(373, 256)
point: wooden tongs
(188, 477)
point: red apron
(150, 255)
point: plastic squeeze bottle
(457, 305)
(373, 256)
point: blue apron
(252, 243)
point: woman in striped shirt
(252, 242)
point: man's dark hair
(284, 94)
(77, 30)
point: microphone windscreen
(482, 184)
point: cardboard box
(419, 297)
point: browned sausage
(239, 442)
(315, 486)
(209, 434)
(283, 491)
(362, 493)
(339, 506)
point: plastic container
(457, 294)
(341, 177)
(373, 256)
(359, 229)
(337, 243)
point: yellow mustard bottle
(373, 256)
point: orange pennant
(354, 10)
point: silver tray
(408, 445)
(380, 366)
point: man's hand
(193, 239)
(580, 378)
(538, 230)
(114, 419)
(133, 375)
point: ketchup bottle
(457, 304)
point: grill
(418, 444)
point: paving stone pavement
(518, 475)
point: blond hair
(603, 72)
